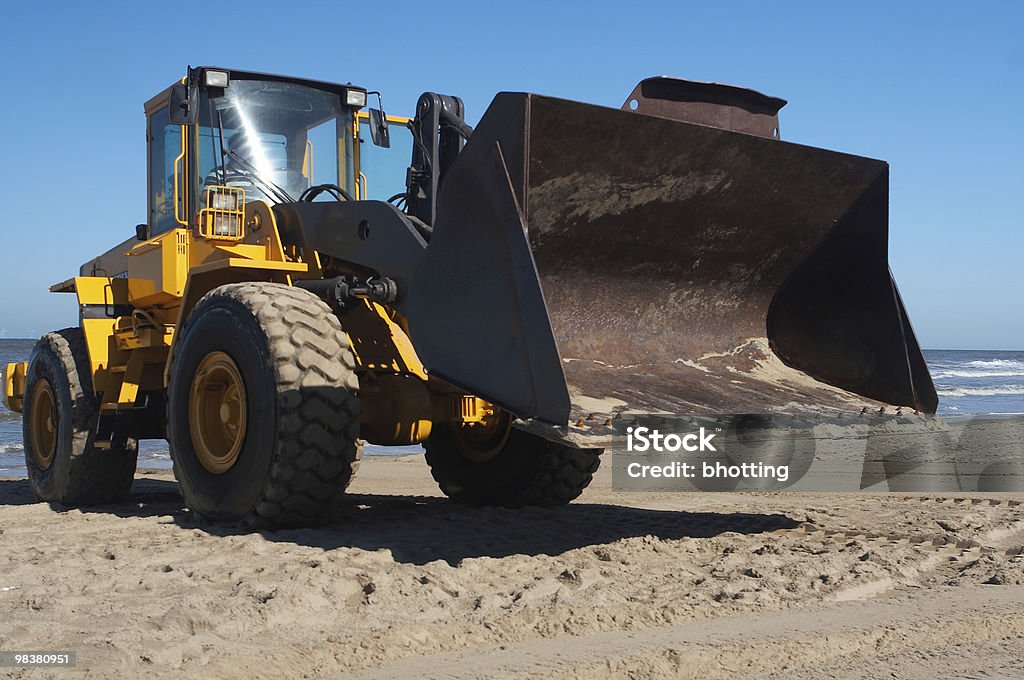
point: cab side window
(164, 149)
(382, 171)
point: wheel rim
(43, 427)
(481, 442)
(217, 412)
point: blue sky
(934, 88)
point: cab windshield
(273, 139)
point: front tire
(263, 407)
(510, 468)
(59, 424)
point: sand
(405, 584)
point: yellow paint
(162, 261)
(307, 162)
(131, 379)
(379, 342)
(261, 228)
(14, 385)
(132, 367)
(149, 337)
(394, 408)
(100, 290)
(364, 117)
(464, 409)
(178, 203)
(245, 263)
(99, 338)
(246, 251)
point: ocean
(969, 383)
(977, 382)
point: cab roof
(238, 74)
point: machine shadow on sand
(422, 529)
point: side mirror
(379, 128)
(141, 232)
(183, 108)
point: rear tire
(59, 425)
(528, 470)
(294, 414)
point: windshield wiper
(280, 194)
(277, 192)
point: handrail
(361, 195)
(308, 161)
(398, 120)
(177, 163)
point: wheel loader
(532, 283)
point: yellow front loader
(219, 327)
(535, 281)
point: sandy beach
(520, 340)
(404, 583)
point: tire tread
(95, 476)
(560, 474)
(316, 455)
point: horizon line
(924, 349)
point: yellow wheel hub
(483, 441)
(217, 412)
(43, 428)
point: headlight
(224, 214)
(355, 98)
(223, 201)
(216, 78)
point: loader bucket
(588, 262)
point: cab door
(168, 196)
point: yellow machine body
(132, 298)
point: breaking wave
(979, 368)
(940, 374)
(997, 363)
(990, 391)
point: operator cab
(271, 137)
